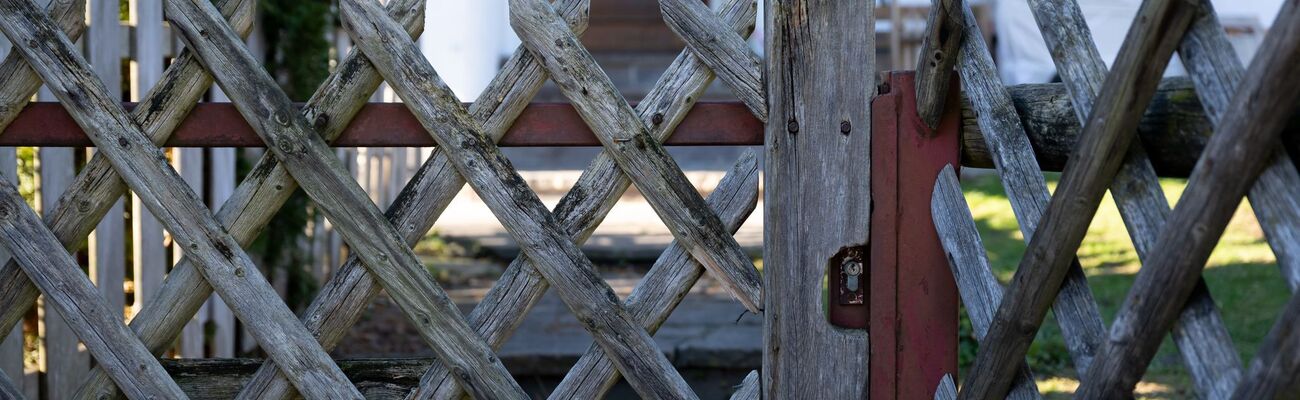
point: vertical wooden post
(11, 345)
(108, 250)
(148, 250)
(65, 363)
(189, 163)
(820, 82)
(221, 185)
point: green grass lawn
(1241, 274)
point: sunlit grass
(1241, 274)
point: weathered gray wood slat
(1272, 373)
(979, 289)
(1107, 135)
(1214, 66)
(708, 36)
(143, 166)
(95, 187)
(1074, 305)
(517, 207)
(1203, 339)
(749, 389)
(944, 31)
(665, 284)
(817, 187)
(69, 292)
(17, 85)
(345, 296)
(947, 389)
(313, 164)
(1236, 154)
(8, 389)
(628, 142)
(589, 201)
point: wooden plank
(629, 143)
(107, 247)
(189, 164)
(749, 389)
(221, 186)
(1213, 65)
(65, 364)
(148, 250)
(1273, 372)
(1238, 152)
(708, 36)
(72, 295)
(140, 164)
(664, 286)
(322, 176)
(820, 75)
(515, 205)
(1107, 135)
(947, 389)
(979, 289)
(12, 346)
(944, 31)
(97, 184)
(503, 308)
(342, 299)
(1203, 339)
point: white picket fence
(130, 56)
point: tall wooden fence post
(820, 81)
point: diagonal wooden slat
(1273, 372)
(595, 192)
(1235, 155)
(1013, 156)
(314, 165)
(629, 143)
(96, 186)
(519, 210)
(947, 389)
(945, 28)
(8, 389)
(143, 166)
(1201, 336)
(708, 36)
(749, 389)
(666, 283)
(343, 299)
(70, 292)
(1109, 131)
(979, 289)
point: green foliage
(27, 174)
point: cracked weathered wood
(1080, 323)
(1213, 65)
(979, 289)
(144, 168)
(628, 142)
(749, 389)
(666, 283)
(1110, 129)
(596, 191)
(944, 31)
(719, 47)
(75, 298)
(1201, 336)
(343, 299)
(817, 187)
(528, 221)
(1247, 135)
(319, 172)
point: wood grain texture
(1080, 322)
(313, 164)
(628, 142)
(531, 225)
(947, 389)
(592, 196)
(817, 188)
(1107, 135)
(344, 297)
(944, 30)
(1214, 67)
(667, 282)
(72, 295)
(1202, 338)
(1236, 154)
(979, 289)
(708, 36)
(143, 166)
(749, 389)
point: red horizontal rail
(391, 125)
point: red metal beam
(391, 125)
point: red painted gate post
(912, 299)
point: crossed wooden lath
(128, 156)
(1248, 107)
